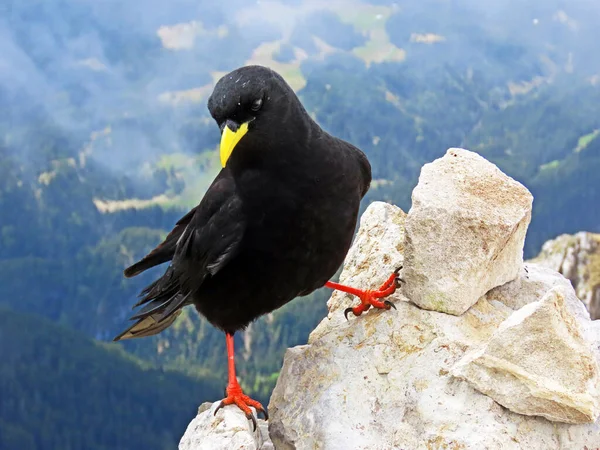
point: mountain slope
(59, 389)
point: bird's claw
(264, 412)
(389, 305)
(346, 312)
(253, 419)
(242, 401)
(397, 280)
(219, 407)
(372, 297)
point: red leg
(370, 297)
(234, 392)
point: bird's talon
(253, 419)
(369, 297)
(397, 271)
(346, 311)
(235, 396)
(219, 407)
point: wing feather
(200, 245)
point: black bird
(276, 223)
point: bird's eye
(256, 104)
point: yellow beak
(229, 139)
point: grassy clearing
(264, 55)
(586, 140)
(194, 172)
(370, 20)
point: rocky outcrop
(538, 363)
(463, 205)
(386, 380)
(577, 257)
(516, 368)
(228, 430)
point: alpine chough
(276, 223)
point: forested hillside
(105, 140)
(60, 389)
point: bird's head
(246, 99)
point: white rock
(533, 283)
(577, 257)
(464, 232)
(377, 250)
(538, 363)
(530, 286)
(381, 381)
(228, 430)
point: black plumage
(276, 223)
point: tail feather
(165, 286)
(147, 327)
(173, 306)
(153, 307)
(164, 301)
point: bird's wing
(218, 191)
(164, 251)
(211, 238)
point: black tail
(164, 302)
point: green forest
(105, 142)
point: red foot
(237, 397)
(370, 297)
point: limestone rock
(464, 232)
(377, 250)
(577, 257)
(533, 282)
(382, 380)
(538, 363)
(228, 430)
(530, 286)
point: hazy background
(105, 140)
